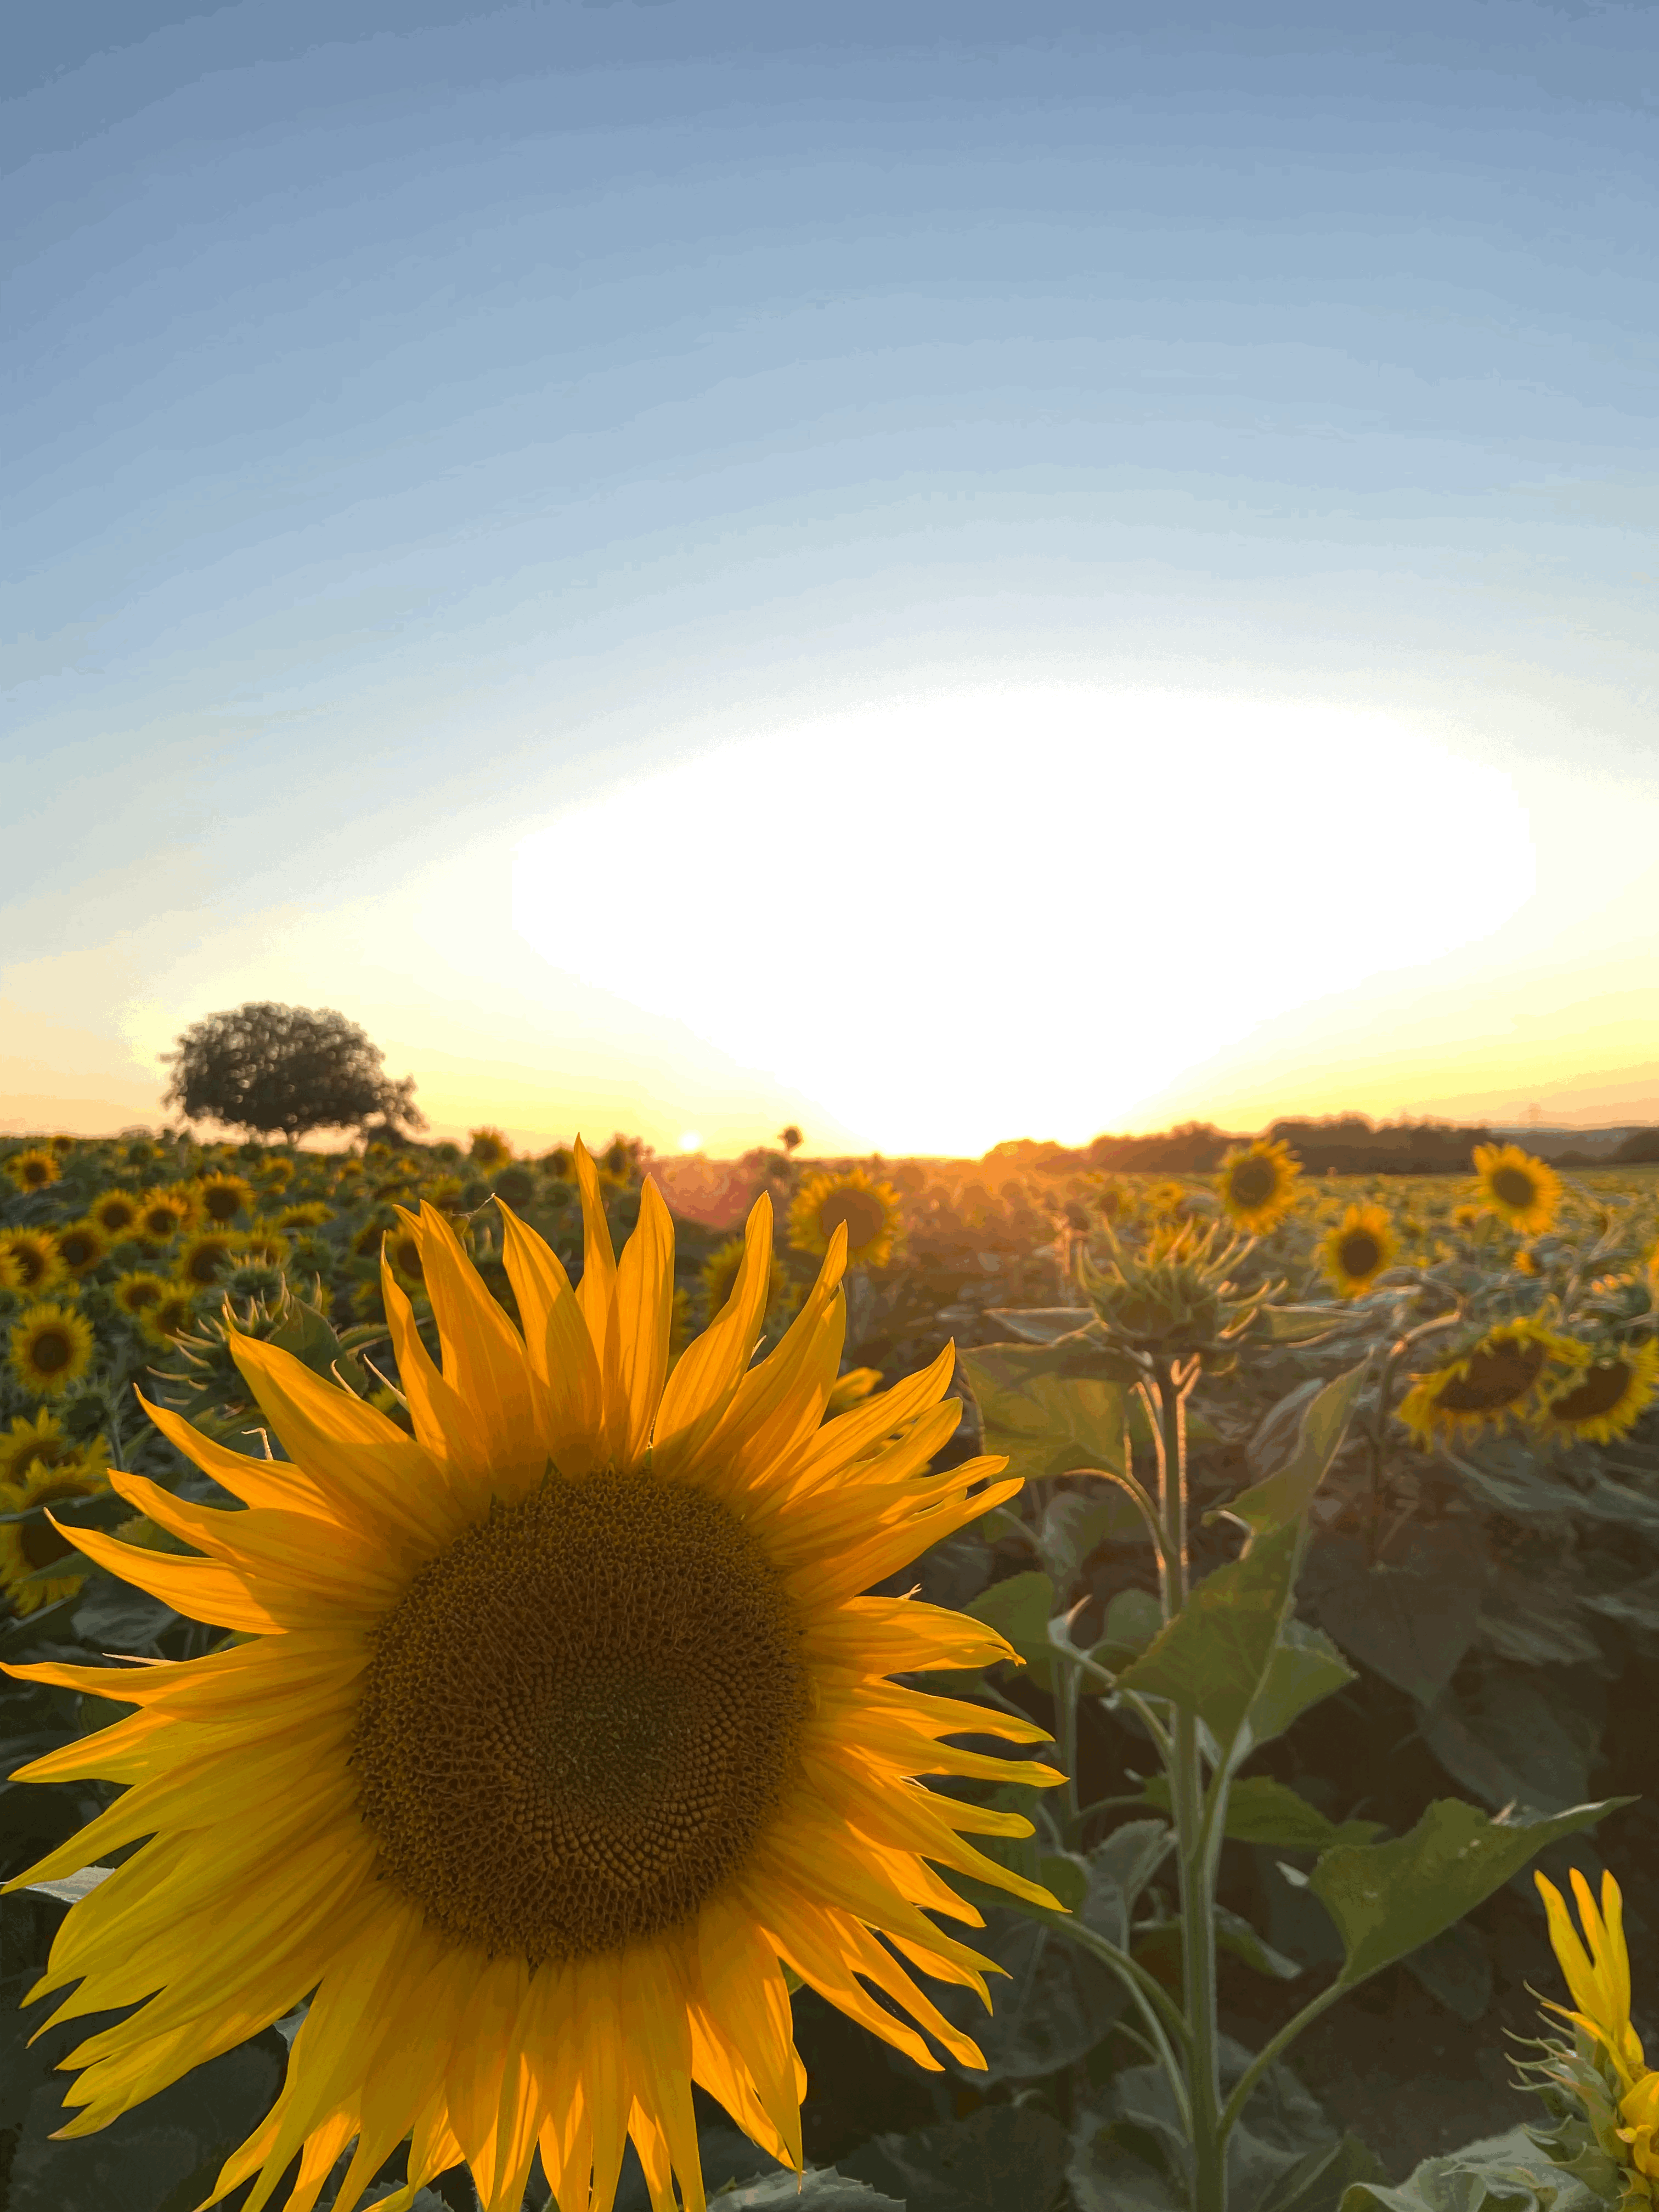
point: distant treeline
(1346, 1143)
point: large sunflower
(36, 1266)
(1358, 1249)
(32, 1169)
(222, 1197)
(851, 1198)
(28, 1546)
(162, 1214)
(1511, 1373)
(80, 1246)
(1522, 1191)
(1257, 1183)
(50, 1348)
(1608, 1398)
(205, 1258)
(136, 1291)
(567, 1727)
(27, 1440)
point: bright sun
(960, 917)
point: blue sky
(915, 510)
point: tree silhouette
(292, 1068)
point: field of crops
(1334, 1577)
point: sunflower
(35, 1260)
(62, 1143)
(1520, 1190)
(310, 1215)
(80, 1246)
(1356, 1251)
(205, 1258)
(28, 1546)
(41, 1439)
(11, 1276)
(33, 1170)
(223, 1197)
(567, 1729)
(262, 1247)
(276, 1175)
(116, 1213)
(137, 1291)
(404, 1250)
(1257, 1184)
(162, 1214)
(718, 1274)
(829, 1200)
(1607, 1399)
(50, 1348)
(560, 1162)
(1510, 1374)
(489, 1148)
(169, 1317)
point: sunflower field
(583, 1681)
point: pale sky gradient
(937, 571)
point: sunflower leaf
(1020, 1608)
(1051, 1408)
(1283, 1496)
(1410, 1617)
(1389, 1899)
(1004, 2158)
(1263, 1811)
(1499, 2173)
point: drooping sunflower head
(1510, 1375)
(569, 1728)
(116, 1213)
(33, 1170)
(223, 1197)
(1358, 1249)
(205, 1258)
(1609, 1397)
(36, 1266)
(852, 1199)
(1257, 1185)
(26, 1546)
(162, 1213)
(80, 1246)
(1520, 1190)
(489, 1148)
(51, 1348)
(138, 1289)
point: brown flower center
(581, 1717)
(1602, 1390)
(1514, 1187)
(1359, 1253)
(861, 1210)
(1498, 1375)
(1254, 1182)
(50, 1351)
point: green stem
(1065, 1688)
(1274, 2049)
(1158, 2011)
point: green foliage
(264, 1066)
(1500, 2173)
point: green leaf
(1500, 2173)
(1004, 2157)
(1021, 1608)
(1283, 1497)
(1306, 1668)
(1232, 1933)
(1303, 1324)
(1133, 1618)
(1388, 1900)
(1263, 1811)
(1076, 1521)
(820, 2189)
(1213, 1657)
(1067, 1876)
(1456, 1969)
(1410, 1617)
(1318, 2180)
(1048, 1418)
(1515, 1737)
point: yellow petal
(483, 1357)
(322, 1560)
(558, 1348)
(877, 1635)
(596, 1293)
(700, 1391)
(202, 1589)
(644, 1306)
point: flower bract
(567, 1727)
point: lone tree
(292, 1068)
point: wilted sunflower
(1523, 1191)
(1257, 1185)
(223, 1197)
(1508, 1375)
(1609, 1397)
(169, 1317)
(489, 1148)
(33, 1170)
(50, 1348)
(137, 1291)
(1357, 1251)
(36, 1263)
(116, 1213)
(205, 1258)
(80, 1246)
(567, 1729)
(28, 1546)
(848, 1198)
(162, 1214)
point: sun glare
(957, 917)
